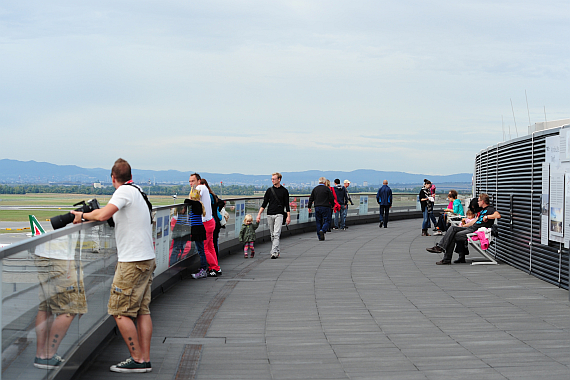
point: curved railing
(67, 274)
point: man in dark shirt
(324, 201)
(342, 199)
(458, 235)
(277, 197)
(384, 199)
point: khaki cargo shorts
(131, 289)
(61, 286)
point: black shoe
(460, 260)
(443, 263)
(435, 249)
(212, 273)
(321, 235)
(380, 224)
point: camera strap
(149, 205)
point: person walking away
(334, 208)
(247, 235)
(131, 287)
(323, 198)
(384, 199)
(342, 200)
(277, 197)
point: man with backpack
(131, 287)
(277, 197)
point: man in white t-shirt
(209, 222)
(131, 289)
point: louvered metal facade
(511, 173)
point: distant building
(365, 183)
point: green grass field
(54, 204)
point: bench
(490, 234)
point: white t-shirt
(205, 199)
(133, 231)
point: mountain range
(14, 171)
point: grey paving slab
(367, 303)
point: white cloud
(381, 83)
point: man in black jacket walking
(323, 198)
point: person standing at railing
(277, 197)
(342, 199)
(384, 199)
(345, 209)
(209, 225)
(131, 288)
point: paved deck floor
(367, 303)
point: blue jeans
(202, 253)
(322, 218)
(427, 216)
(343, 212)
(337, 218)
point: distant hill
(14, 171)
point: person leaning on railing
(131, 288)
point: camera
(61, 221)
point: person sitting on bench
(458, 235)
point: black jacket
(322, 196)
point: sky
(255, 87)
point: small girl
(469, 216)
(247, 235)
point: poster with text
(161, 240)
(544, 203)
(239, 215)
(363, 207)
(556, 206)
(564, 136)
(303, 210)
(553, 151)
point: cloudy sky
(262, 86)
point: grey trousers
(275, 222)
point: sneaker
(219, 272)
(251, 255)
(321, 235)
(130, 365)
(435, 249)
(437, 233)
(274, 256)
(52, 363)
(200, 274)
(212, 273)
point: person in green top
(454, 208)
(247, 235)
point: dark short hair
(426, 181)
(198, 178)
(121, 171)
(485, 198)
(453, 194)
(337, 181)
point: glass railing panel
(52, 295)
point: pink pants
(211, 257)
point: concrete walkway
(367, 303)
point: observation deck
(366, 303)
